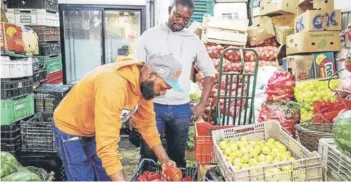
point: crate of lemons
(245, 154)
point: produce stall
(280, 108)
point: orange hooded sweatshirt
(99, 103)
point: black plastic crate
(48, 161)
(214, 174)
(48, 96)
(150, 165)
(39, 75)
(20, 4)
(49, 49)
(16, 87)
(37, 134)
(48, 5)
(11, 137)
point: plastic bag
(281, 87)
(287, 113)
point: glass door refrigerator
(93, 35)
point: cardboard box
(307, 42)
(234, 11)
(323, 65)
(309, 66)
(300, 66)
(314, 5)
(318, 20)
(11, 38)
(284, 26)
(260, 30)
(278, 7)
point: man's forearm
(160, 153)
(207, 87)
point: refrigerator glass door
(82, 42)
(122, 29)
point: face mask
(147, 89)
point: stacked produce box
(42, 17)
(17, 99)
(40, 38)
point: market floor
(130, 155)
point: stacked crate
(38, 140)
(41, 16)
(16, 74)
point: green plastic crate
(16, 108)
(52, 64)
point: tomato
(153, 176)
(187, 178)
(141, 178)
(175, 174)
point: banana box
(30, 39)
(304, 5)
(11, 38)
(318, 20)
(311, 42)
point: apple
(227, 151)
(253, 162)
(269, 158)
(254, 154)
(261, 158)
(245, 159)
(282, 149)
(291, 159)
(244, 150)
(266, 150)
(239, 153)
(237, 160)
(277, 143)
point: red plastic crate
(204, 153)
(54, 78)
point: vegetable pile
(171, 173)
(307, 92)
(287, 113)
(12, 170)
(326, 111)
(281, 87)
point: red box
(54, 78)
(11, 38)
(204, 153)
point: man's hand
(168, 163)
(199, 109)
(118, 176)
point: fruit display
(307, 92)
(244, 154)
(342, 132)
(12, 170)
(326, 111)
(287, 113)
(281, 87)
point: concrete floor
(130, 157)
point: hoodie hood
(127, 68)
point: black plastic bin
(150, 165)
(48, 96)
(37, 134)
(11, 137)
(48, 161)
(11, 88)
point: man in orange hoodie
(87, 122)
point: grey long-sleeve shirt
(186, 47)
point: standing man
(173, 111)
(87, 122)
